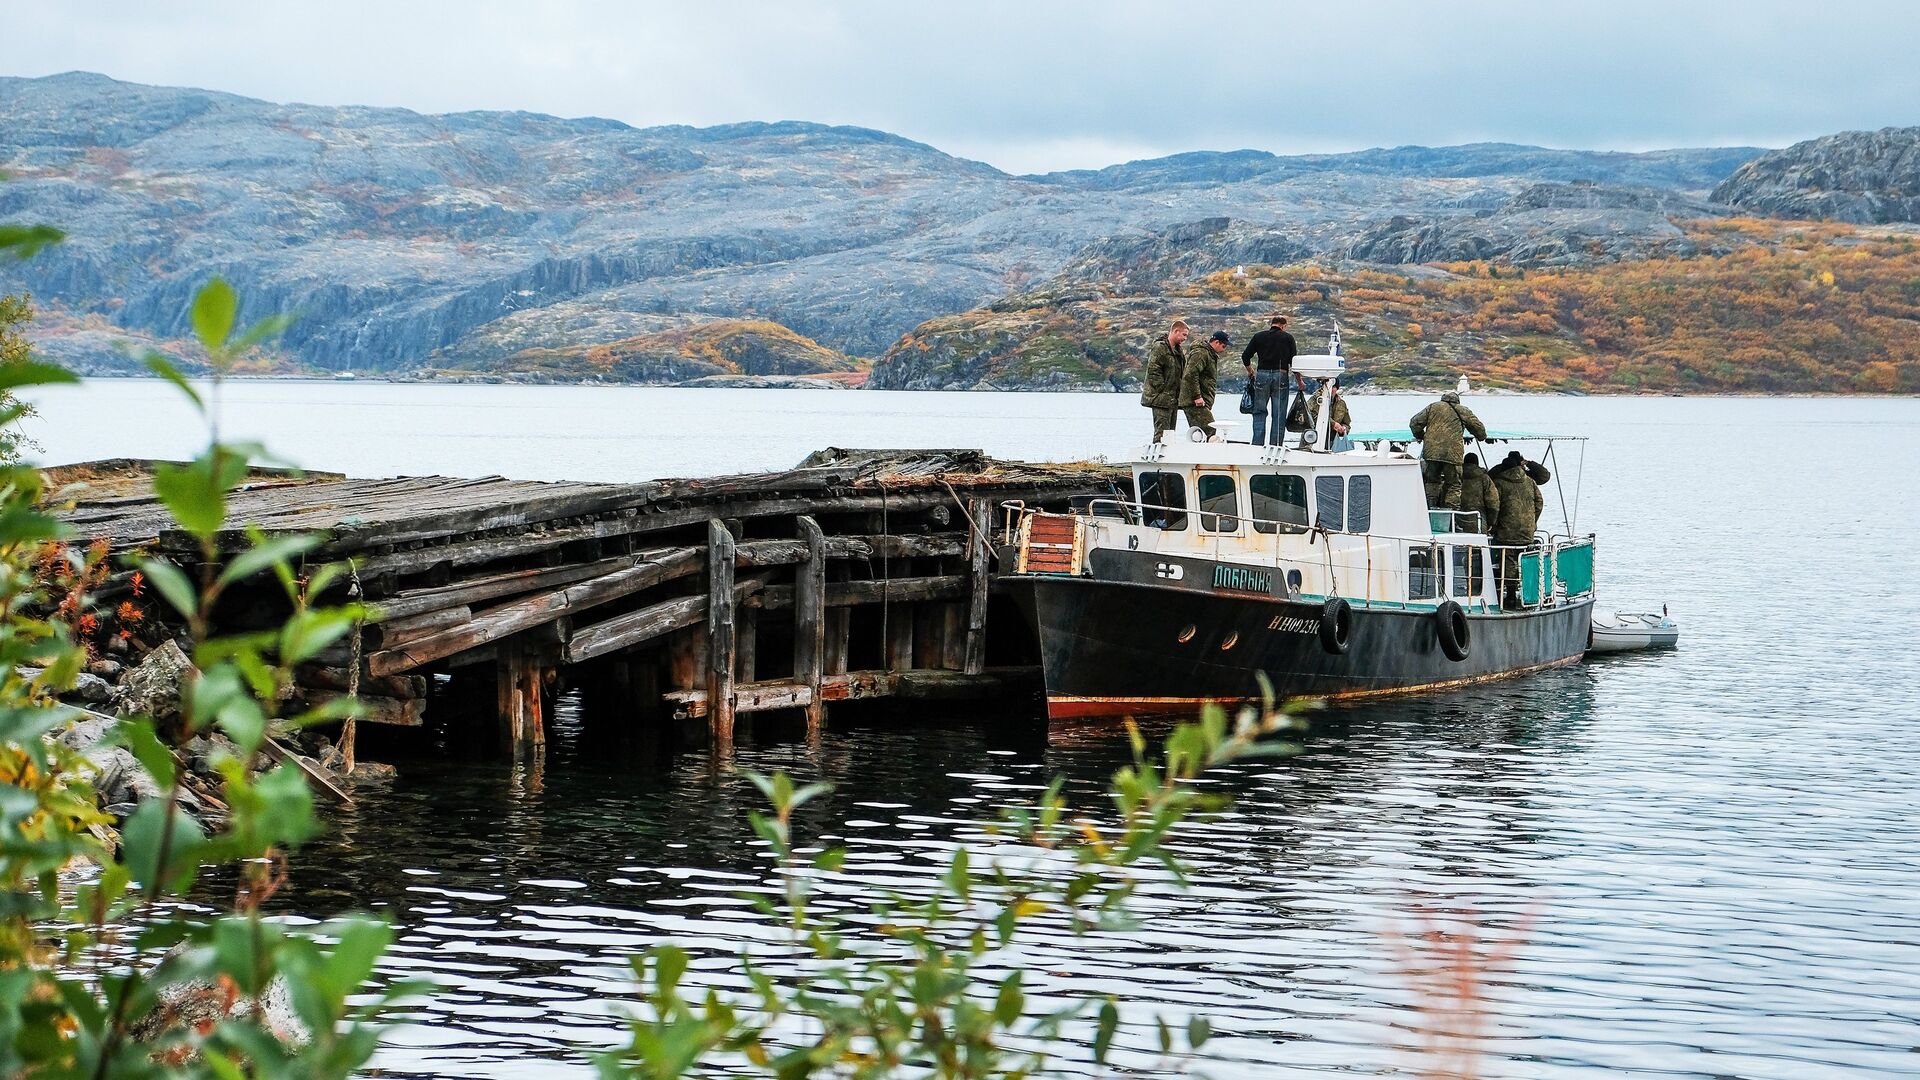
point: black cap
(1221, 337)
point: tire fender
(1336, 625)
(1456, 634)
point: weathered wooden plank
(395, 633)
(809, 619)
(507, 619)
(974, 659)
(472, 591)
(720, 633)
(320, 677)
(634, 628)
(953, 636)
(491, 549)
(379, 709)
(917, 685)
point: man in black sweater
(1275, 350)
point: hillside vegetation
(1769, 306)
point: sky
(1048, 84)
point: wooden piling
(809, 620)
(720, 634)
(975, 658)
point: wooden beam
(720, 634)
(635, 627)
(953, 636)
(392, 634)
(861, 685)
(899, 645)
(472, 591)
(508, 619)
(809, 620)
(378, 708)
(974, 659)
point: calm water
(1710, 859)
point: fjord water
(1708, 860)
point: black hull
(1112, 648)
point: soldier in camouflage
(1162, 392)
(1441, 428)
(1517, 482)
(1478, 493)
(1198, 380)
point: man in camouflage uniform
(1441, 428)
(1478, 494)
(1162, 392)
(1517, 482)
(1197, 382)
(1342, 416)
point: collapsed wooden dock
(854, 575)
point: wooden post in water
(981, 512)
(720, 634)
(809, 620)
(521, 681)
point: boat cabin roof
(1180, 452)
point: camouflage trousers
(1200, 418)
(1443, 484)
(1163, 422)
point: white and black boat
(1323, 572)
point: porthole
(1187, 634)
(1232, 640)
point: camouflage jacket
(1441, 428)
(1163, 377)
(1520, 502)
(1203, 370)
(1478, 492)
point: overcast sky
(1047, 84)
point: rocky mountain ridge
(409, 242)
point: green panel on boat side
(1574, 568)
(1531, 574)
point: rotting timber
(857, 574)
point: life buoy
(1456, 636)
(1336, 625)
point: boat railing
(1551, 569)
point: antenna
(1333, 341)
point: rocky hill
(486, 241)
(1731, 305)
(1866, 177)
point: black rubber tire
(1336, 625)
(1456, 634)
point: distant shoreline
(1362, 391)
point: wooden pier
(855, 575)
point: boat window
(1330, 502)
(1218, 498)
(1359, 504)
(1279, 502)
(1469, 570)
(1423, 574)
(1163, 499)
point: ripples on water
(1713, 855)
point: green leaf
(136, 734)
(150, 830)
(33, 373)
(164, 368)
(196, 493)
(214, 309)
(23, 240)
(1007, 1005)
(172, 585)
(1198, 1032)
(266, 553)
(270, 327)
(1105, 1026)
(830, 860)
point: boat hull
(1116, 648)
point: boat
(1626, 631)
(1231, 571)
(343, 375)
